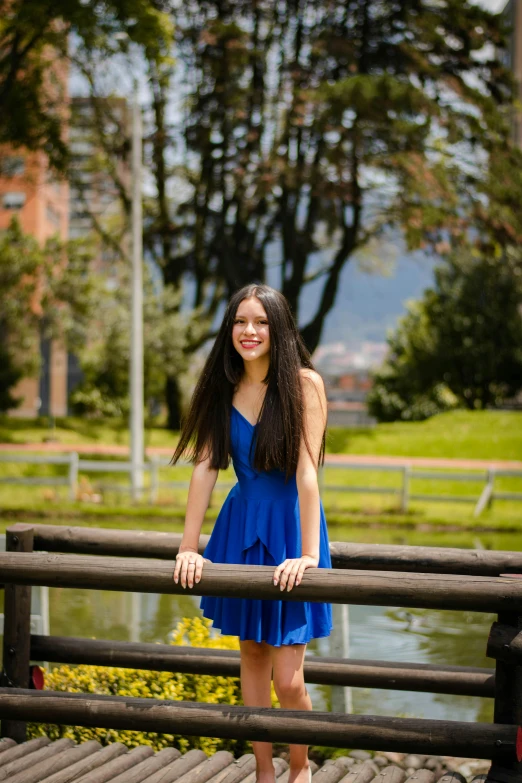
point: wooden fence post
(405, 489)
(74, 460)
(154, 479)
(17, 630)
(508, 695)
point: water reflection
(417, 636)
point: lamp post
(136, 352)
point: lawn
(495, 435)
(457, 434)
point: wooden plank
(58, 762)
(363, 773)
(284, 778)
(371, 557)
(116, 766)
(17, 751)
(201, 773)
(421, 776)
(452, 777)
(95, 760)
(331, 773)
(236, 772)
(25, 764)
(6, 743)
(17, 629)
(391, 774)
(147, 767)
(182, 767)
(280, 769)
(415, 735)
(505, 643)
(386, 588)
(467, 681)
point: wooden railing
(386, 576)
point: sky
(492, 5)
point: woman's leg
(256, 678)
(291, 691)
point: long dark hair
(206, 429)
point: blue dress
(259, 525)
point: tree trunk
(173, 400)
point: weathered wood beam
(461, 680)
(415, 735)
(17, 629)
(370, 557)
(505, 644)
(374, 588)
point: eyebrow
(240, 315)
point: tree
(308, 130)
(460, 344)
(314, 127)
(45, 293)
(105, 356)
(34, 54)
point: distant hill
(368, 304)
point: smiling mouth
(250, 343)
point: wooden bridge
(480, 581)
(42, 761)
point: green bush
(148, 684)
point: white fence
(75, 465)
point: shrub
(148, 684)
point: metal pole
(136, 353)
(342, 700)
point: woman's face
(250, 332)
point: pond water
(394, 634)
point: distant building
(513, 16)
(29, 190)
(95, 197)
(347, 374)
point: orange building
(30, 190)
(41, 202)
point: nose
(249, 328)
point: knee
(254, 655)
(289, 686)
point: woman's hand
(189, 565)
(290, 572)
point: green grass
(72, 430)
(494, 435)
(457, 434)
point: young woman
(260, 401)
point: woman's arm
(307, 481)
(202, 483)
(314, 422)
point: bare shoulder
(313, 388)
(311, 378)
